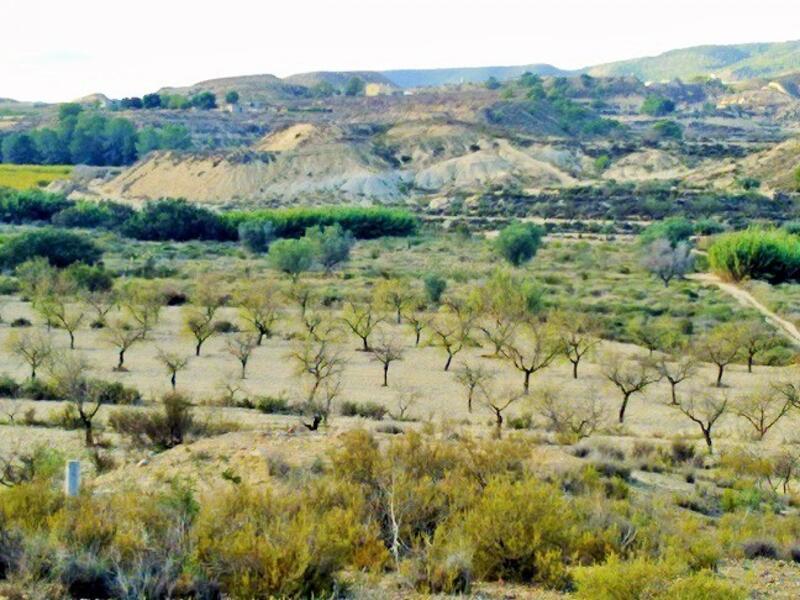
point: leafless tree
(676, 369)
(259, 308)
(705, 409)
(474, 379)
(241, 346)
(418, 320)
(200, 326)
(395, 295)
(70, 375)
(721, 346)
(534, 346)
(579, 335)
(451, 332)
(756, 337)
(122, 335)
(631, 376)
(58, 312)
(498, 402)
(302, 295)
(362, 319)
(667, 262)
(143, 305)
(319, 360)
(101, 302)
(173, 363)
(762, 409)
(405, 400)
(577, 417)
(34, 348)
(385, 352)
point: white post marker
(72, 478)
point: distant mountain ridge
(409, 78)
(737, 62)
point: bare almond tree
(474, 379)
(756, 338)
(534, 346)
(576, 418)
(34, 348)
(579, 335)
(123, 334)
(259, 307)
(630, 376)
(241, 346)
(70, 375)
(704, 409)
(319, 360)
(450, 330)
(63, 315)
(721, 346)
(762, 409)
(173, 363)
(362, 319)
(101, 302)
(417, 320)
(498, 402)
(385, 352)
(143, 304)
(676, 369)
(200, 325)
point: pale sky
(56, 50)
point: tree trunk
(416, 341)
(399, 317)
(499, 424)
(449, 360)
(385, 374)
(749, 363)
(197, 348)
(121, 360)
(260, 337)
(172, 379)
(469, 402)
(87, 433)
(526, 386)
(244, 369)
(707, 436)
(622, 408)
(575, 368)
(71, 341)
(720, 371)
(33, 373)
(364, 344)
(672, 386)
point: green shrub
(178, 220)
(159, 430)
(769, 254)
(519, 242)
(625, 580)
(521, 531)
(657, 106)
(292, 257)
(274, 405)
(367, 410)
(435, 285)
(60, 248)
(674, 229)
(363, 223)
(8, 387)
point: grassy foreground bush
(769, 254)
(440, 512)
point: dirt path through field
(787, 328)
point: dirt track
(788, 329)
